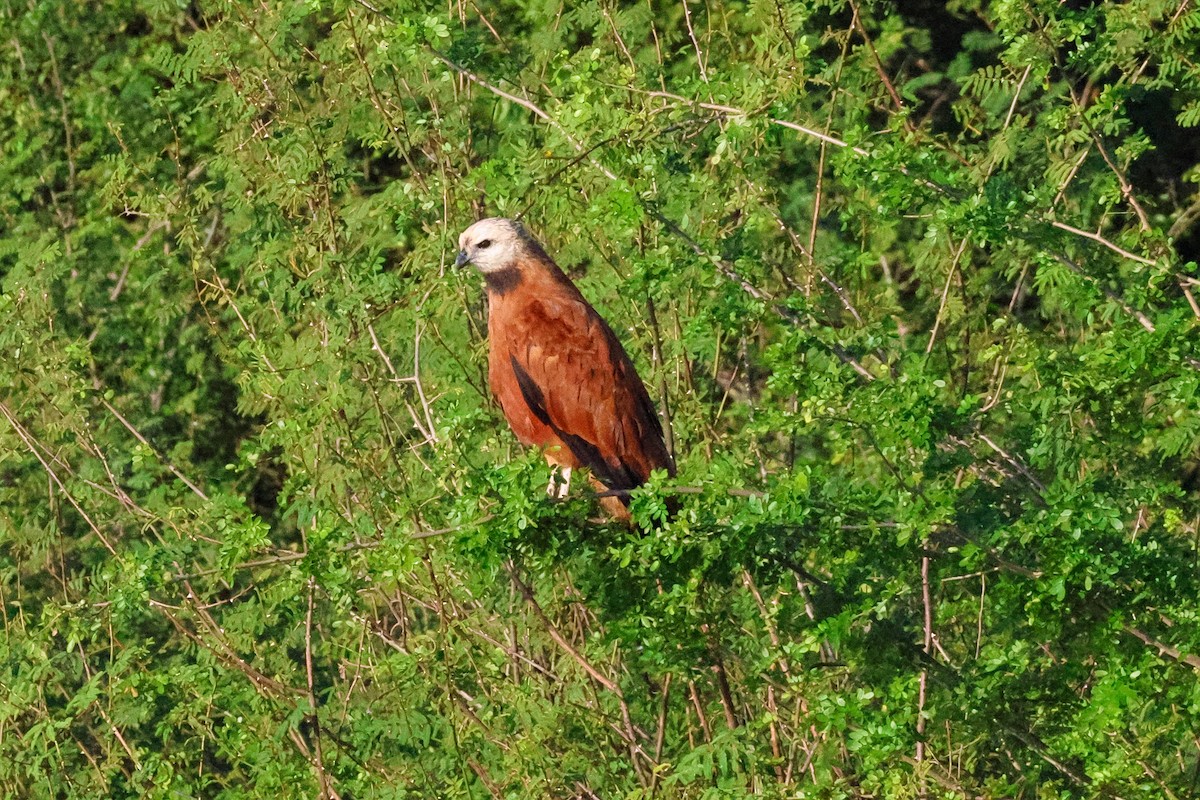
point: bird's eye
(485, 244)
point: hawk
(561, 376)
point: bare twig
(738, 112)
(687, 17)
(166, 463)
(32, 445)
(527, 592)
(1164, 649)
(138, 245)
(661, 730)
(945, 293)
(700, 715)
(429, 433)
(617, 36)
(314, 718)
(1012, 108)
(62, 103)
(979, 618)
(879, 70)
(927, 646)
(683, 490)
(416, 379)
(1095, 237)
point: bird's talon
(565, 486)
(560, 482)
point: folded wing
(557, 363)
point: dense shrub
(914, 285)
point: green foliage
(916, 283)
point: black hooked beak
(463, 258)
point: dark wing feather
(584, 451)
(530, 391)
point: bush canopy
(914, 288)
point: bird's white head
(492, 244)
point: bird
(559, 373)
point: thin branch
(60, 91)
(429, 433)
(661, 729)
(318, 759)
(927, 646)
(527, 592)
(1163, 648)
(1097, 238)
(945, 294)
(1142, 319)
(1126, 187)
(879, 70)
(32, 445)
(165, 461)
(1012, 108)
(738, 112)
(138, 245)
(416, 379)
(617, 36)
(687, 17)
(700, 715)
(683, 490)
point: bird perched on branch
(563, 379)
